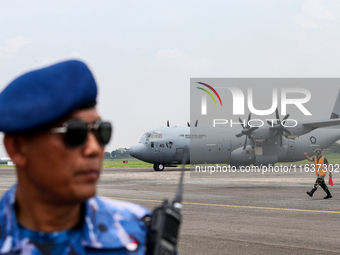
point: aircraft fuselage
(166, 146)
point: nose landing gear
(158, 167)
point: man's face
(63, 174)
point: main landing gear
(158, 167)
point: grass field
(333, 158)
(132, 162)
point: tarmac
(233, 212)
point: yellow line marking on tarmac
(233, 206)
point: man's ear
(17, 149)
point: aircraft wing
(323, 123)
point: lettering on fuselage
(193, 136)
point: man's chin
(85, 192)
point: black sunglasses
(75, 132)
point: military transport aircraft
(264, 145)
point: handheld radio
(165, 221)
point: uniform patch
(132, 245)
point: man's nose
(92, 146)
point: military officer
(56, 138)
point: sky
(143, 53)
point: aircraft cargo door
(179, 155)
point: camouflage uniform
(321, 181)
(109, 227)
(320, 178)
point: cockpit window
(146, 135)
(156, 134)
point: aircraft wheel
(158, 167)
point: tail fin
(336, 109)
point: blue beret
(46, 95)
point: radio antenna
(178, 198)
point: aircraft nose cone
(137, 151)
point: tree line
(119, 153)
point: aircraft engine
(247, 130)
(243, 155)
(276, 128)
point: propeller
(247, 130)
(195, 123)
(278, 127)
